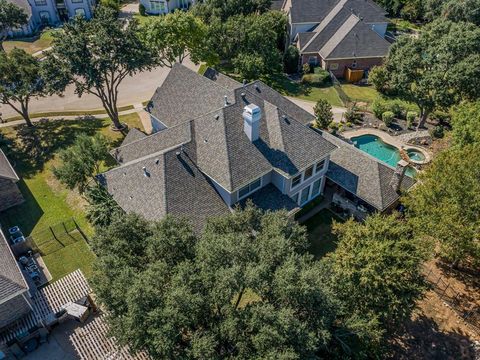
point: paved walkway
(309, 105)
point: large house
(157, 7)
(217, 143)
(338, 34)
(10, 195)
(50, 13)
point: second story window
(40, 2)
(77, 1)
(320, 165)
(250, 188)
(308, 173)
(296, 181)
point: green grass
(405, 25)
(202, 69)
(67, 113)
(48, 202)
(31, 45)
(366, 94)
(142, 20)
(302, 91)
(319, 228)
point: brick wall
(340, 65)
(10, 195)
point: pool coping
(389, 139)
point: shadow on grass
(37, 145)
(25, 215)
(287, 86)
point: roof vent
(205, 141)
(217, 117)
(157, 161)
(145, 172)
(243, 94)
(244, 82)
(178, 153)
(225, 99)
(257, 88)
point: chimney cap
(252, 109)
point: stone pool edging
(391, 140)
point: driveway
(133, 90)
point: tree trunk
(25, 114)
(423, 118)
(116, 120)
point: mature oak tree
(96, 56)
(435, 70)
(466, 124)
(223, 9)
(445, 204)
(175, 36)
(21, 80)
(11, 16)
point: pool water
(384, 152)
(415, 155)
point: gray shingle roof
(6, 169)
(314, 11)
(224, 81)
(133, 135)
(173, 185)
(270, 198)
(11, 277)
(183, 97)
(214, 146)
(345, 36)
(362, 175)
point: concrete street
(133, 90)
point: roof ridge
(326, 20)
(2, 154)
(339, 35)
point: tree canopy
(454, 10)
(96, 56)
(466, 124)
(21, 80)
(11, 16)
(246, 287)
(173, 37)
(435, 70)
(223, 9)
(445, 204)
(323, 114)
(251, 42)
(81, 162)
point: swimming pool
(384, 152)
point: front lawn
(319, 228)
(31, 45)
(48, 203)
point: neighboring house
(10, 195)
(157, 7)
(338, 34)
(15, 299)
(217, 144)
(43, 13)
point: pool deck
(389, 139)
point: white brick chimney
(252, 115)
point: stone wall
(10, 195)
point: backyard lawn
(48, 203)
(363, 93)
(31, 45)
(319, 228)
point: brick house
(10, 195)
(339, 34)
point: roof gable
(11, 277)
(6, 169)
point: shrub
(388, 117)
(349, 124)
(441, 117)
(306, 69)
(411, 116)
(323, 114)
(398, 107)
(437, 132)
(290, 59)
(353, 115)
(142, 10)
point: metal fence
(338, 87)
(57, 237)
(467, 310)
